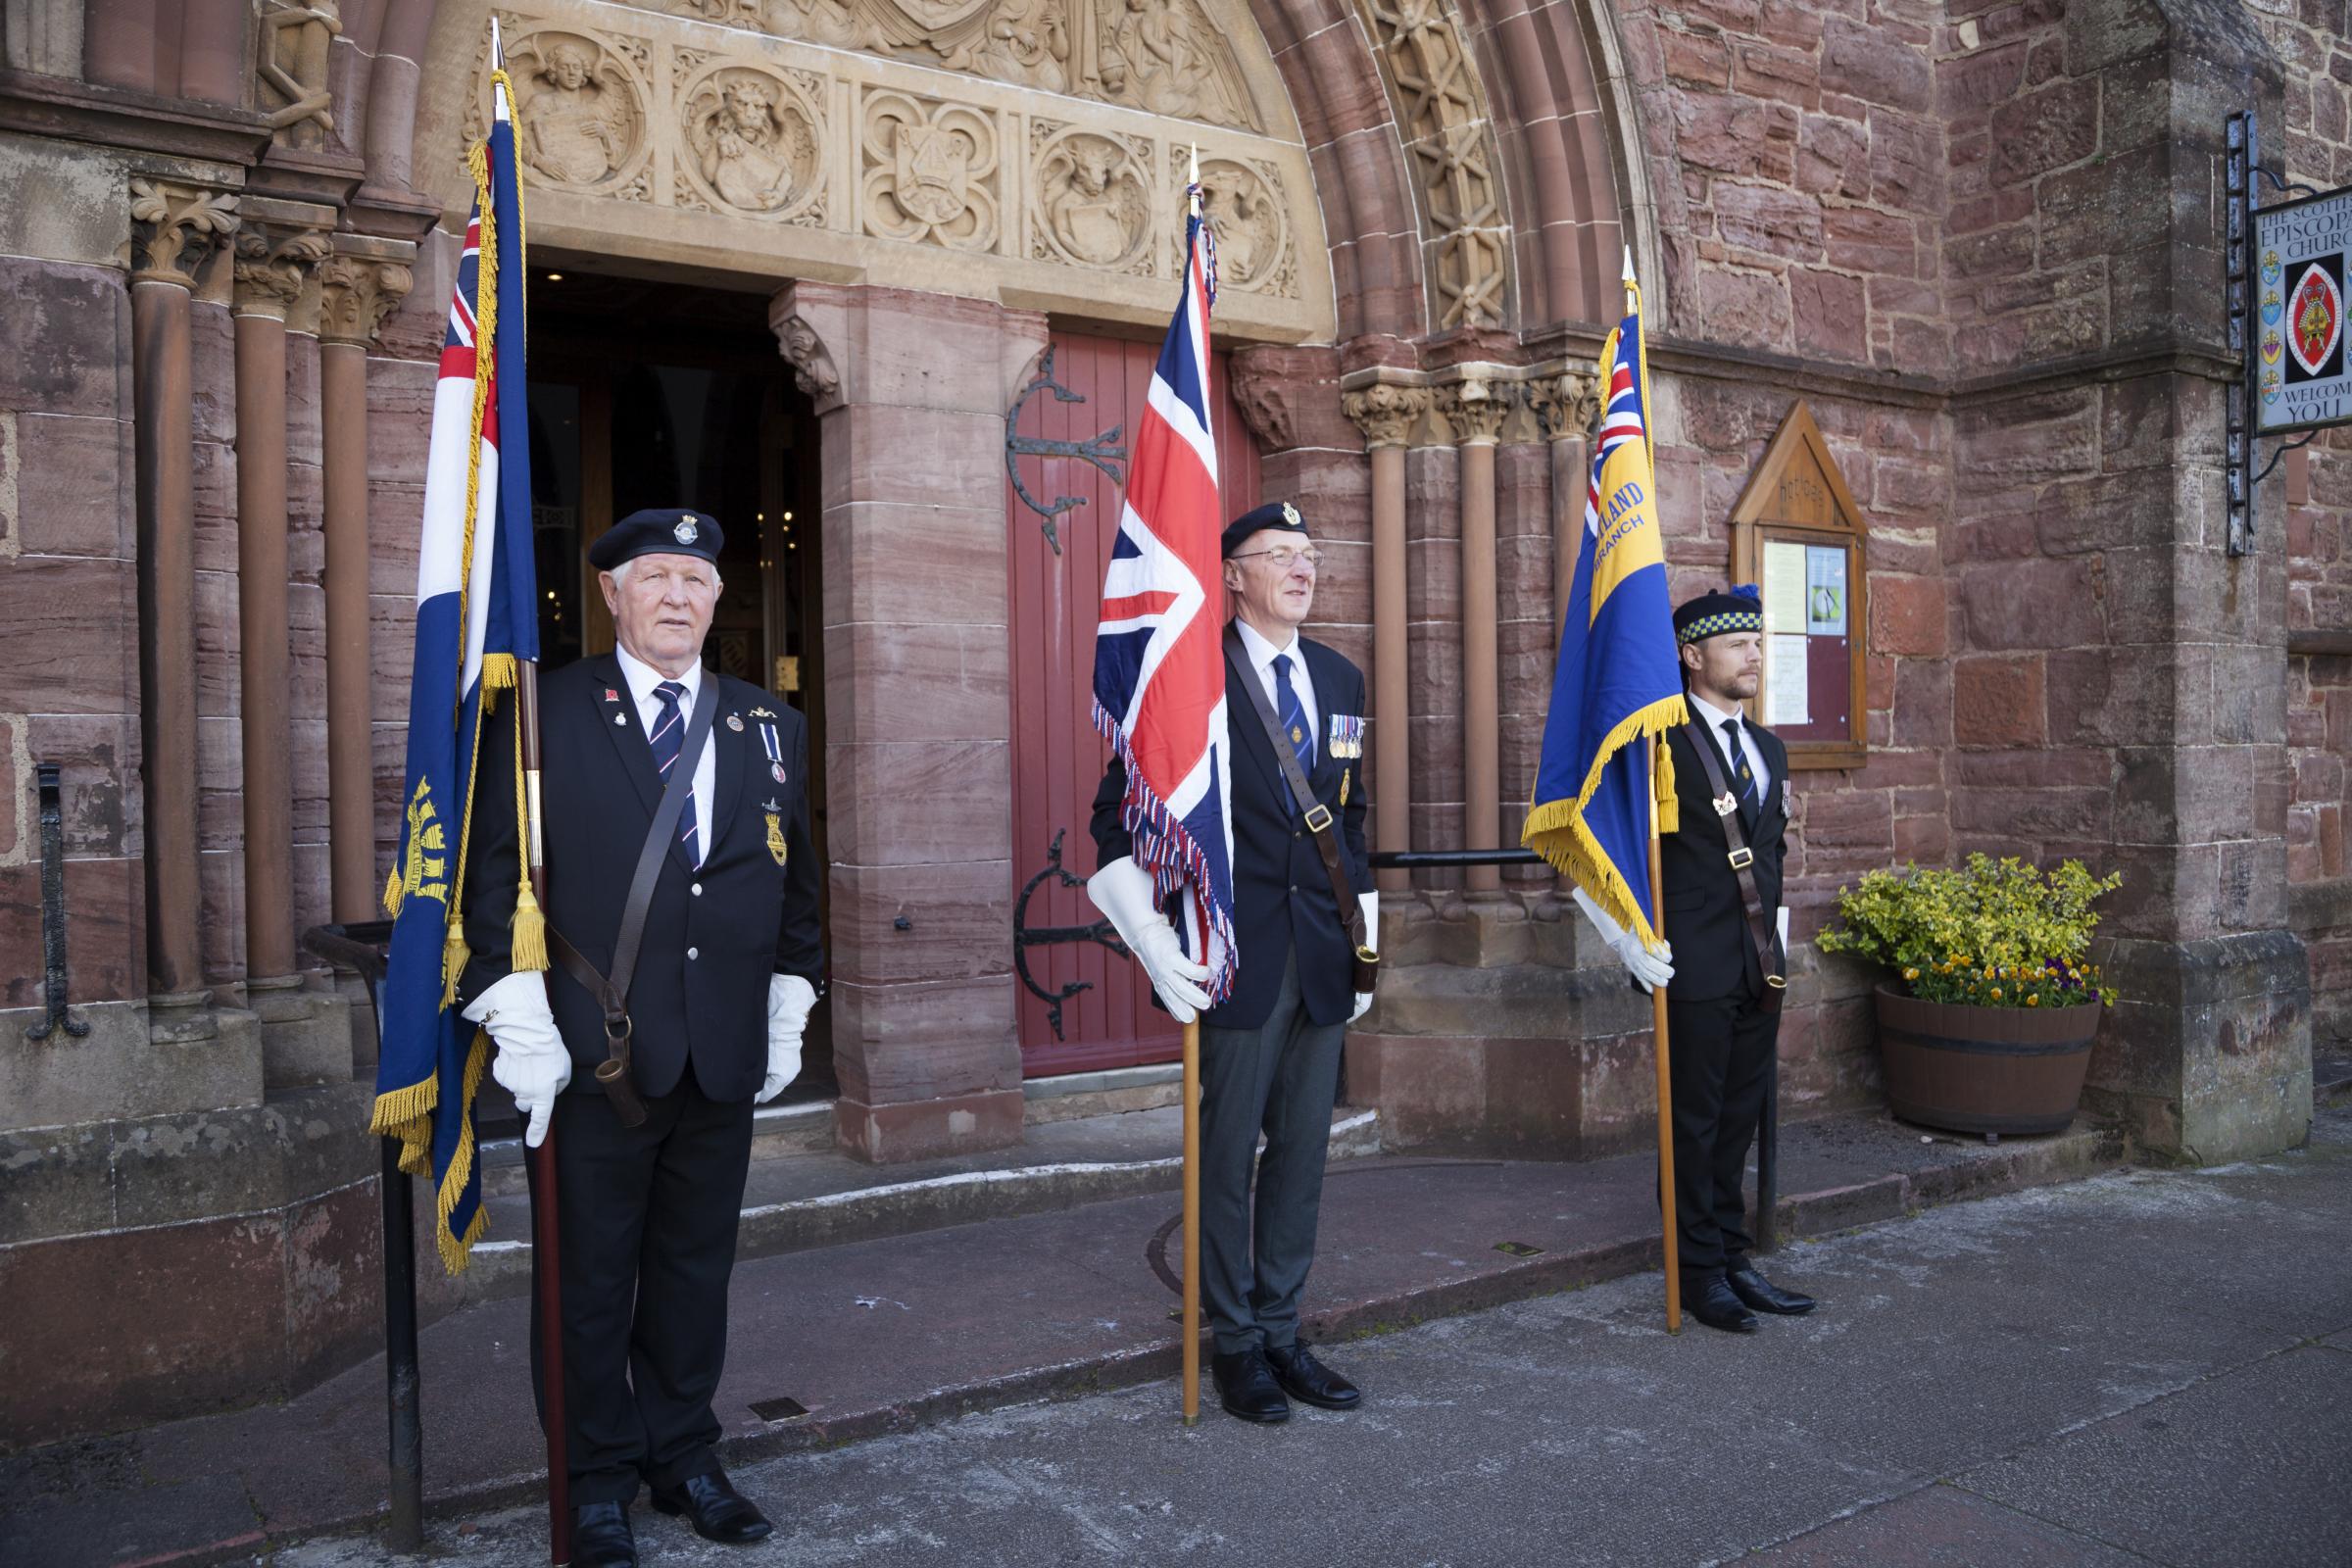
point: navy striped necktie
(668, 737)
(1293, 714)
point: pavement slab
(1940, 1527)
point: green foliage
(1991, 933)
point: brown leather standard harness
(1364, 967)
(612, 991)
(1760, 926)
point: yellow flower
(1911, 973)
(2034, 1001)
(1996, 993)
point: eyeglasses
(1281, 557)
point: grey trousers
(1280, 1078)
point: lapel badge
(1725, 804)
(763, 713)
(621, 719)
(612, 696)
(1345, 775)
(735, 722)
(775, 833)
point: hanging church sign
(2302, 365)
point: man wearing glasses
(1270, 1051)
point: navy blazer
(713, 934)
(1281, 893)
(1706, 920)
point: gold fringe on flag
(454, 1253)
(1569, 844)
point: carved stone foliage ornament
(273, 261)
(580, 107)
(930, 172)
(174, 229)
(1166, 57)
(355, 294)
(1441, 115)
(1565, 405)
(295, 38)
(1092, 198)
(753, 138)
(1242, 203)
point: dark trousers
(1280, 1079)
(645, 1233)
(1719, 1055)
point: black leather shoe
(1714, 1305)
(1309, 1381)
(1246, 1386)
(601, 1537)
(1765, 1297)
(715, 1509)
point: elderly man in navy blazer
(724, 982)
(1270, 1051)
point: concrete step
(822, 1197)
(808, 1127)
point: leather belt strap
(612, 991)
(1761, 927)
(1317, 815)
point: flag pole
(1670, 1243)
(546, 1248)
(1192, 1099)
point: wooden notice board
(1797, 535)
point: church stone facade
(1978, 241)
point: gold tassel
(498, 673)
(1669, 803)
(528, 950)
(454, 955)
(394, 893)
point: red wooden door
(1057, 757)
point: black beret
(1715, 613)
(1273, 515)
(658, 531)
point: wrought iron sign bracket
(1025, 936)
(1103, 450)
(54, 983)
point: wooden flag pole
(546, 1257)
(1191, 1222)
(1658, 1024)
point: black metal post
(54, 984)
(404, 1386)
(1768, 1156)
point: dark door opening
(649, 394)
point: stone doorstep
(824, 1197)
(778, 1131)
(2331, 1079)
(1931, 1169)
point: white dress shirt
(1712, 716)
(1262, 659)
(643, 678)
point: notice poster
(2302, 362)
(1825, 590)
(1784, 587)
(1786, 680)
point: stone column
(1385, 414)
(1475, 407)
(277, 246)
(175, 230)
(1565, 405)
(361, 283)
(911, 391)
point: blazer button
(695, 890)
(694, 953)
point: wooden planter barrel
(1983, 1069)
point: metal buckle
(1367, 955)
(1725, 804)
(1741, 858)
(1776, 982)
(1318, 810)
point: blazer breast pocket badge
(775, 830)
(1347, 735)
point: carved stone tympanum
(753, 138)
(929, 171)
(1094, 201)
(581, 118)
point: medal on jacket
(1347, 735)
(773, 745)
(775, 829)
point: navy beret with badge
(1273, 515)
(1714, 615)
(658, 531)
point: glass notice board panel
(1798, 536)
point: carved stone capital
(277, 245)
(804, 349)
(174, 229)
(357, 293)
(1386, 412)
(1474, 409)
(1565, 405)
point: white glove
(1122, 891)
(1783, 924)
(789, 999)
(1649, 971)
(531, 1063)
(1371, 908)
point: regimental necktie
(1743, 775)
(1293, 714)
(668, 737)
